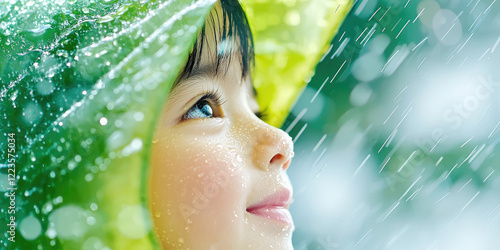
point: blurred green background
(396, 134)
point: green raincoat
(83, 83)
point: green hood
(82, 86)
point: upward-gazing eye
(207, 107)
(201, 109)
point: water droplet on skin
(158, 214)
(181, 240)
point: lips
(274, 207)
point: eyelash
(215, 96)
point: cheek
(197, 186)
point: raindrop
(91, 220)
(69, 222)
(14, 95)
(3, 182)
(51, 233)
(92, 243)
(447, 27)
(58, 200)
(103, 121)
(292, 18)
(45, 87)
(134, 146)
(379, 44)
(360, 94)
(133, 222)
(118, 123)
(89, 177)
(367, 67)
(39, 31)
(30, 227)
(47, 208)
(71, 165)
(139, 116)
(32, 113)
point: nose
(273, 148)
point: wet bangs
(231, 32)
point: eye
(207, 107)
(201, 109)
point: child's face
(218, 173)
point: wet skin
(214, 162)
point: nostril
(277, 158)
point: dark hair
(234, 30)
